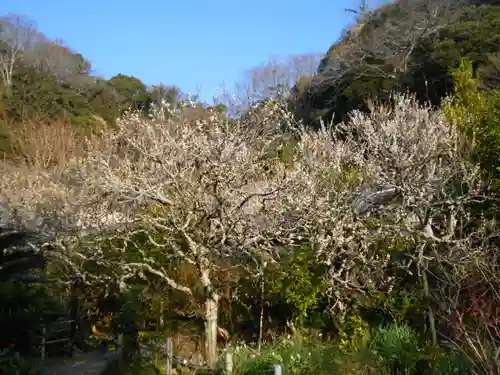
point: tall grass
(45, 145)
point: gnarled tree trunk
(211, 305)
(211, 315)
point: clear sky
(194, 44)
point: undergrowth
(391, 350)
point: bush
(397, 348)
(450, 362)
(477, 114)
(45, 145)
(22, 306)
(354, 335)
(298, 284)
(11, 363)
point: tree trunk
(261, 315)
(430, 312)
(211, 313)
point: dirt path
(93, 364)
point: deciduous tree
(18, 34)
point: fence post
(229, 363)
(120, 343)
(169, 356)
(277, 369)
(44, 339)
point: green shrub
(451, 362)
(354, 335)
(397, 348)
(11, 363)
(394, 350)
(23, 305)
(298, 283)
(477, 114)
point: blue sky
(194, 44)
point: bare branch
(161, 275)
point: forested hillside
(47, 80)
(341, 218)
(401, 46)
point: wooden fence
(55, 332)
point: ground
(91, 364)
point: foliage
(477, 114)
(23, 306)
(393, 350)
(298, 282)
(12, 363)
(297, 355)
(354, 335)
(131, 93)
(340, 245)
(45, 81)
(25, 299)
(397, 348)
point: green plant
(298, 355)
(441, 360)
(477, 114)
(11, 363)
(24, 294)
(397, 348)
(354, 335)
(298, 283)
(394, 350)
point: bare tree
(271, 80)
(17, 36)
(470, 292)
(57, 59)
(274, 79)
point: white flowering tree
(416, 187)
(165, 189)
(194, 193)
